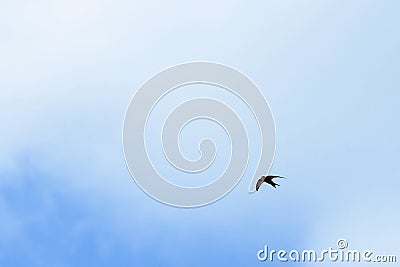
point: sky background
(330, 71)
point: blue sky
(329, 70)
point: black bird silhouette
(268, 180)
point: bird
(268, 180)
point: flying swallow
(268, 180)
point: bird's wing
(270, 177)
(259, 183)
